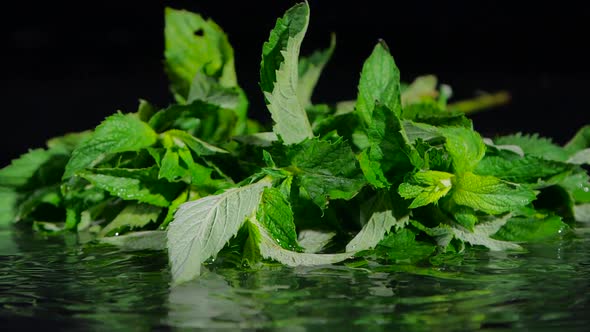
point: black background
(67, 66)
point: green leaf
(578, 186)
(200, 147)
(208, 90)
(145, 240)
(269, 248)
(580, 141)
(275, 214)
(117, 133)
(310, 69)
(520, 169)
(193, 45)
(263, 139)
(279, 75)
(378, 218)
(379, 83)
(531, 229)
(8, 204)
(402, 246)
(145, 110)
(389, 148)
(201, 228)
(132, 216)
(582, 212)
(465, 146)
(313, 241)
(481, 234)
(535, 145)
(489, 194)
(423, 87)
(580, 157)
(140, 185)
(426, 187)
(325, 170)
(35, 168)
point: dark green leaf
(275, 214)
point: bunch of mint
(396, 176)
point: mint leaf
(465, 146)
(132, 216)
(133, 184)
(201, 228)
(117, 133)
(209, 90)
(402, 246)
(310, 69)
(580, 157)
(195, 45)
(389, 148)
(426, 187)
(314, 241)
(275, 214)
(526, 169)
(325, 170)
(379, 83)
(279, 75)
(489, 194)
(378, 218)
(531, 229)
(481, 234)
(581, 140)
(535, 145)
(34, 168)
(144, 240)
(8, 203)
(269, 248)
(200, 147)
(422, 88)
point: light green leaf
(201, 228)
(132, 216)
(117, 133)
(526, 169)
(377, 217)
(310, 69)
(426, 187)
(535, 145)
(512, 148)
(489, 194)
(481, 234)
(582, 212)
(581, 140)
(465, 146)
(193, 45)
(144, 240)
(279, 75)
(313, 241)
(270, 249)
(580, 157)
(379, 83)
(422, 87)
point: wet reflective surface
(56, 284)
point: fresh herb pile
(397, 176)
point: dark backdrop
(67, 66)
